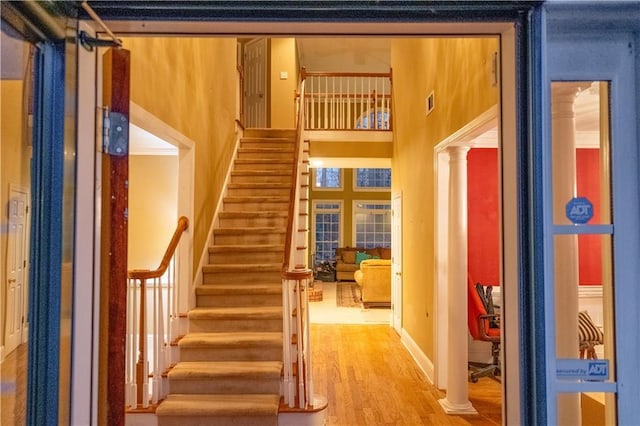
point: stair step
(255, 176)
(263, 165)
(249, 289)
(259, 189)
(276, 153)
(235, 319)
(242, 267)
(269, 132)
(222, 410)
(242, 273)
(257, 235)
(263, 218)
(235, 253)
(266, 346)
(225, 377)
(243, 294)
(256, 203)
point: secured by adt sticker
(579, 210)
(583, 369)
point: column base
(456, 409)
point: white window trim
(318, 188)
(354, 210)
(357, 188)
(314, 211)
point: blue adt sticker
(582, 369)
(579, 210)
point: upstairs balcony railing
(346, 101)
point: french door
(591, 205)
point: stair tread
(259, 173)
(242, 267)
(237, 313)
(231, 339)
(253, 198)
(219, 405)
(263, 161)
(222, 248)
(287, 150)
(260, 214)
(244, 289)
(187, 369)
(259, 185)
(249, 230)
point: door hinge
(115, 133)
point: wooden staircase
(231, 360)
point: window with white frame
(327, 178)
(327, 229)
(372, 223)
(372, 180)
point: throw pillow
(361, 256)
(349, 256)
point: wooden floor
(13, 385)
(369, 378)
(364, 371)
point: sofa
(347, 259)
(374, 279)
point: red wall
(482, 210)
(482, 187)
(588, 185)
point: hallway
(369, 378)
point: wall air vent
(430, 103)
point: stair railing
(347, 101)
(152, 324)
(296, 277)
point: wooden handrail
(294, 186)
(183, 224)
(141, 370)
(344, 74)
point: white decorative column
(565, 246)
(457, 399)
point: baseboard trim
(423, 361)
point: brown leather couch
(374, 279)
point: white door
(16, 268)
(590, 194)
(255, 83)
(396, 261)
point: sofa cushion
(373, 252)
(349, 256)
(385, 252)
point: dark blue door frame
(46, 235)
(47, 167)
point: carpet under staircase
(231, 360)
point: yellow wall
(283, 58)
(15, 155)
(190, 84)
(348, 195)
(153, 208)
(459, 70)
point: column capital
(563, 96)
(457, 152)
